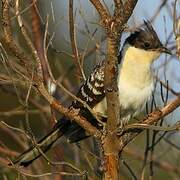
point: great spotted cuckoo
(135, 84)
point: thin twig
(28, 40)
(77, 62)
(153, 117)
(152, 127)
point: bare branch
(175, 127)
(150, 119)
(77, 62)
(28, 40)
(101, 10)
(8, 37)
(71, 113)
(176, 28)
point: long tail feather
(72, 131)
(44, 144)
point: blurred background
(152, 155)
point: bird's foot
(121, 127)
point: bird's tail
(44, 145)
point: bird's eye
(146, 45)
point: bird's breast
(133, 98)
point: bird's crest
(145, 38)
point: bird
(135, 84)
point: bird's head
(145, 43)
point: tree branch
(114, 27)
(38, 82)
(150, 119)
(101, 10)
(76, 58)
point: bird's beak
(165, 50)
